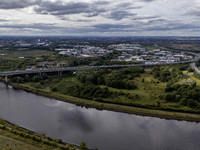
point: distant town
(128, 50)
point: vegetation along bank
(162, 91)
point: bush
(59, 141)
(36, 79)
(83, 146)
(54, 89)
(17, 80)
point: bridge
(60, 70)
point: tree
(36, 78)
(83, 146)
(17, 79)
(26, 78)
(54, 89)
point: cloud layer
(95, 17)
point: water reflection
(105, 130)
(75, 119)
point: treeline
(87, 91)
(91, 81)
(27, 78)
(14, 64)
(121, 79)
(164, 74)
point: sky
(100, 17)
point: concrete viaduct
(60, 70)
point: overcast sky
(100, 17)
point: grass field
(195, 79)
(25, 53)
(7, 143)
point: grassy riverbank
(13, 137)
(113, 107)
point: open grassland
(24, 53)
(7, 143)
(195, 79)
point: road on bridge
(193, 65)
(196, 70)
(59, 70)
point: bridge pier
(6, 78)
(39, 74)
(60, 73)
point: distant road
(193, 65)
(196, 70)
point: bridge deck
(35, 71)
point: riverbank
(15, 137)
(112, 107)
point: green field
(196, 80)
(7, 143)
(24, 53)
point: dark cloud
(93, 9)
(92, 14)
(119, 15)
(145, 17)
(59, 8)
(111, 26)
(156, 21)
(148, 0)
(15, 4)
(74, 20)
(4, 20)
(171, 26)
(126, 5)
(101, 3)
(194, 13)
(40, 26)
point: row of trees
(164, 74)
(28, 78)
(121, 79)
(87, 91)
(14, 64)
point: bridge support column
(40, 74)
(60, 73)
(6, 78)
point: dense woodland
(179, 89)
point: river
(105, 130)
